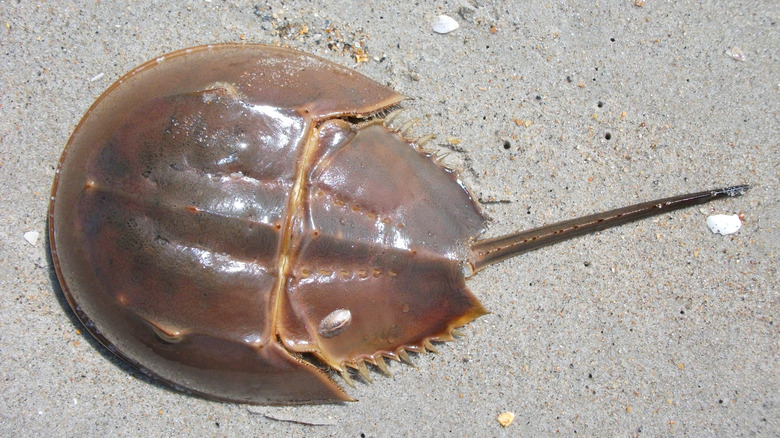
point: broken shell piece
(31, 237)
(444, 24)
(335, 323)
(506, 418)
(724, 223)
(736, 53)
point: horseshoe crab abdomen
(383, 236)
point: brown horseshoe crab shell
(223, 215)
(216, 205)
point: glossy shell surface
(230, 220)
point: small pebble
(724, 223)
(444, 24)
(506, 418)
(737, 54)
(31, 237)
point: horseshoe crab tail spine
(487, 252)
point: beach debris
(724, 223)
(736, 53)
(506, 418)
(31, 237)
(444, 24)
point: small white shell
(724, 224)
(444, 24)
(31, 237)
(736, 53)
(334, 323)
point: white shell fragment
(31, 237)
(724, 223)
(444, 24)
(334, 323)
(736, 53)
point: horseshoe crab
(239, 222)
